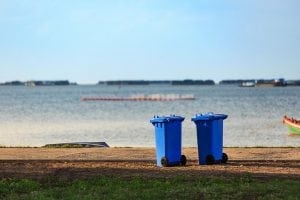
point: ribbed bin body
(168, 139)
(209, 137)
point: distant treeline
(38, 83)
(235, 82)
(172, 82)
(280, 82)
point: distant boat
(292, 124)
(271, 83)
(247, 84)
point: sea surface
(35, 116)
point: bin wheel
(210, 159)
(224, 158)
(164, 162)
(183, 160)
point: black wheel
(164, 162)
(210, 159)
(224, 158)
(183, 160)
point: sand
(73, 163)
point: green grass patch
(181, 187)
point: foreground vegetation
(112, 187)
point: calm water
(35, 116)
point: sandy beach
(72, 163)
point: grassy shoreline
(131, 173)
(179, 187)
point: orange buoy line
(142, 98)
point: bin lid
(163, 119)
(208, 116)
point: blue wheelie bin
(168, 140)
(210, 138)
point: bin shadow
(266, 163)
(72, 169)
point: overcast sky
(91, 40)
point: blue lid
(163, 119)
(208, 116)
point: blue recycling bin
(210, 138)
(168, 140)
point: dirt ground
(73, 163)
